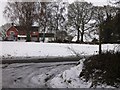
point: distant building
(15, 33)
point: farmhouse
(15, 33)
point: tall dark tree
(107, 24)
(117, 26)
(117, 21)
(99, 17)
(103, 16)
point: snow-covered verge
(70, 79)
(33, 49)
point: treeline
(80, 19)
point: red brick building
(15, 33)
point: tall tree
(103, 16)
(79, 15)
(58, 12)
(51, 16)
(42, 16)
(99, 15)
(22, 13)
(116, 23)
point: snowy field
(55, 75)
(41, 50)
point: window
(12, 33)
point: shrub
(102, 69)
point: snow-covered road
(32, 75)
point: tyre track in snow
(32, 75)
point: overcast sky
(3, 4)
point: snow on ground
(33, 49)
(67, 79)
(70, 79)
(32, 75)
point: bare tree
(79, 15)
(22, 13)
(51, 16)
(42, 16)
(58, 12)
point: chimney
(12, 24)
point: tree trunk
(28, 38)
(82, 37)
(43, 37)
(38, 39)
(78, 35)
(82, 33)
(57, 32)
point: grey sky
(3, 4)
